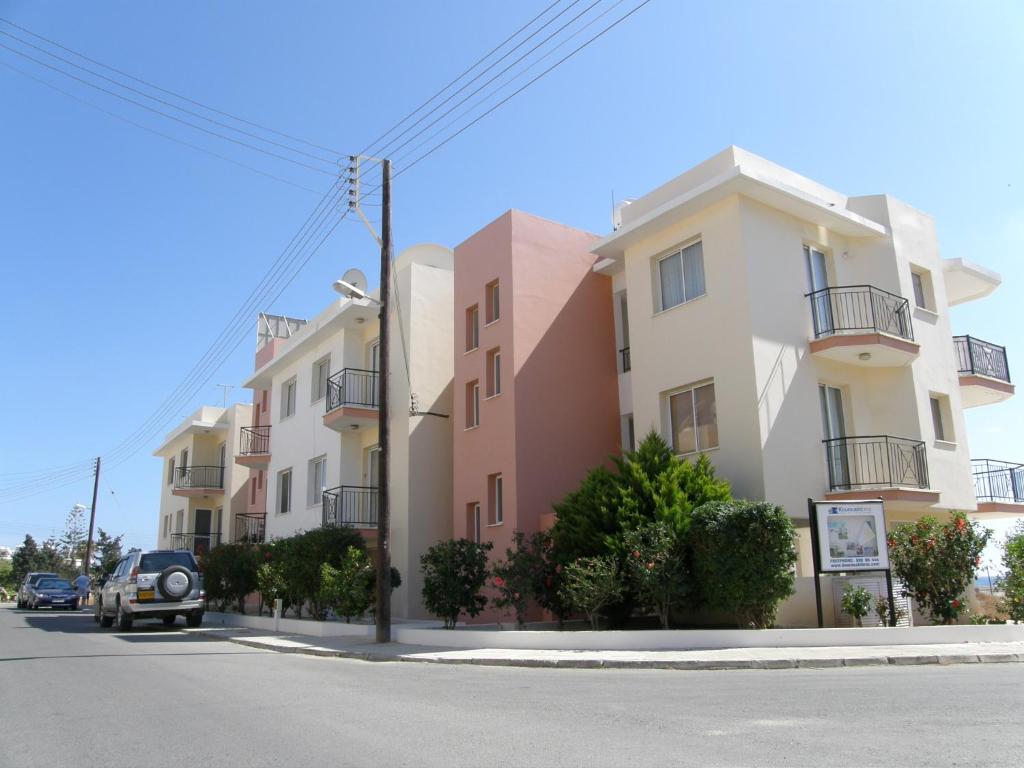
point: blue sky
(123, 254)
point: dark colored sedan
(54, 593)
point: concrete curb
(683, 664)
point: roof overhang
(966, 281)
(739, 181)
(194, 427)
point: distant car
(28, 586)
(54, 593)
(157, 584)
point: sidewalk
(737, 658)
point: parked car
(54, 593)
(28, 586)
(156, 584)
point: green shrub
(345, 588)
(1013, 581)
(655, 564)
(270, 584)
(229, 574)
(855, 603)
(937, 561)
(454, 572)
(884, 616)
(744, 555)
(515, 578)
(547, 583)
(300, 558)
(591, 584)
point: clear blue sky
(122, 254)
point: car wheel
(169, 621)
(124, 621)
(104, 620)
(194, 619)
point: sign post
(849, 536)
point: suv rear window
(155, 562)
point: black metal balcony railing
(255, 440)
(977, 357)
(878, 461)
(250, 528)
(196, 543)
(860, 309)
(998, 481)
(199, 477)
(626, 366)
(354, 505)
(352, 386)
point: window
(495, 500)
(373, 467)
(493, 305)
(694, 419)
(184, 458)
(473, 404)
(252, 490)
(284, 492)
(321, 372)
(170, 470)
(288, 398)
(681, 276)
(494, 372)
(942, 418)
(472, 327)
(373, 355)
(317, 481)
(628, 438)
(167, 526)
(259, 480)
(179, 520)
(222, 455)
(266, 398)
(473, 521)
(921, 280)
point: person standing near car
(82, 588)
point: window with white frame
(284, 491)
(321, 372)
(473, 526)
(288, 398)
(316, 480)
(921, 280)
(170, 470)
(495, 500)
(694, 418)
(472, 404)
(942, 418)
(494, 372)
(472, 327)
(681, 276)
(493, 304)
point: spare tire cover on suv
(175, 582)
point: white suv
(158, 584)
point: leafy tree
(515, 577)
(1013, 581)
(454, 572)
(345, 588)
(743, 558)
(25, 559)
(106, 552)
(229, 573)
(938, 561)
(51, 558)
(856, 602)
(72, 541)
(591, 584)
(656, 566)
(587, 521)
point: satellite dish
(356, 279)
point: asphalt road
(72, 694)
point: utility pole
(384, 511)
(92, 516)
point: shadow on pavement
(81, 622)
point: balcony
(352, 505)
(198, 481)
(893, 468)
(352, 399)
(862, 325)
(998, 485)
(196, 543)
(984, 373)
(254, 447)
(250, 528)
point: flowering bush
(515, 578)
(591, 584)
(1013, 581)
(856, 601)
(655, 563)
(884, 616)
(937, 561)
(454, 572)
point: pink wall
(261, 415)
(557, 415)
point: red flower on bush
(499, 582)
(636, 553)
(960, 523)
(956, 603)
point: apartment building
(321, 418)
(535, 378)
(203, 493)
(801, 339)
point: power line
(169, 92)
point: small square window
(694, 419)
(681, 276)
(942, 418)
(924, 295)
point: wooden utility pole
(383, 511)
(92, 516)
